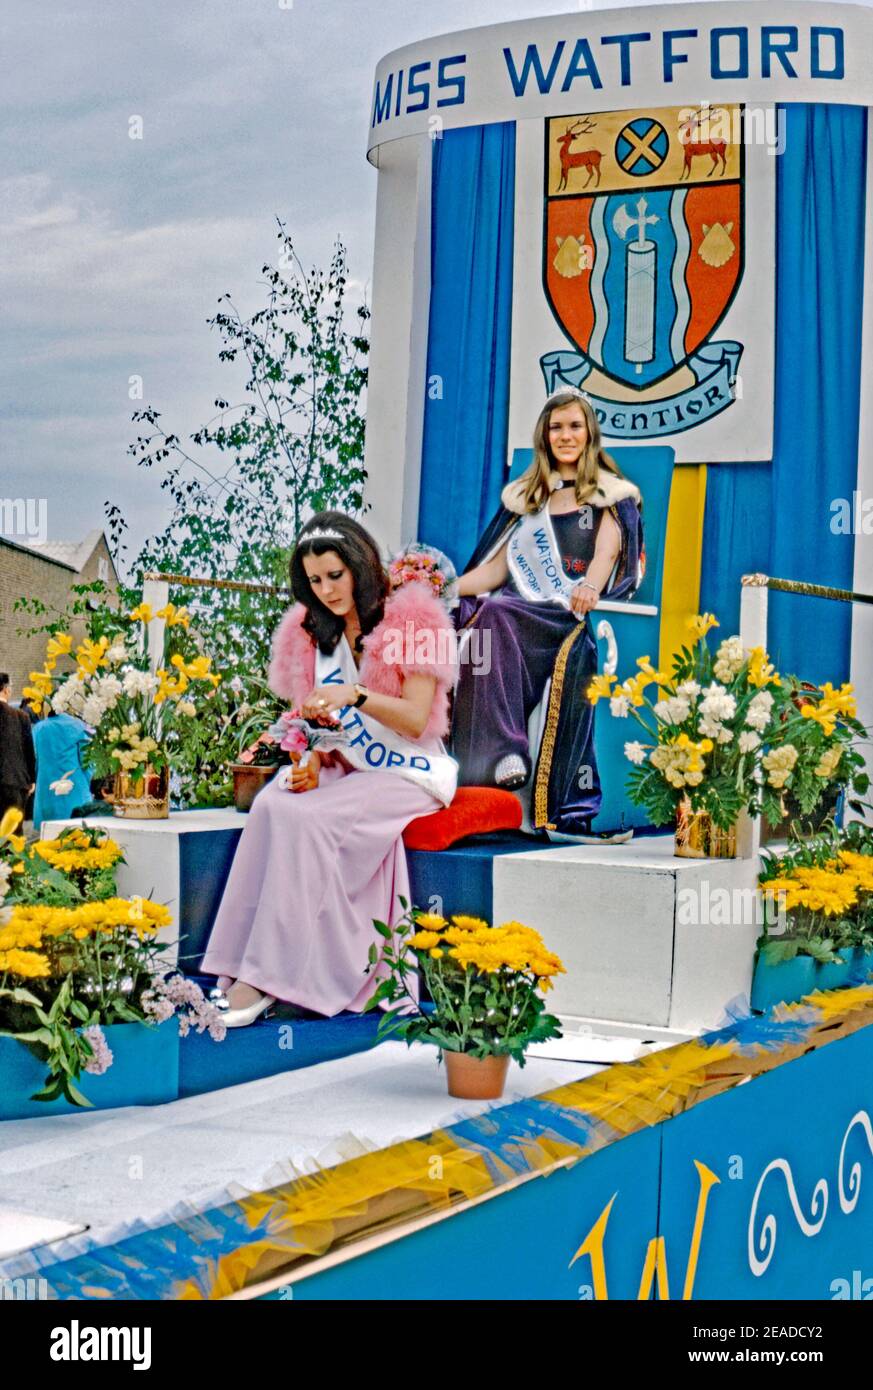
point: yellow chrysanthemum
(430, 921)
(28, 965)
(468, 923)
(424, 940)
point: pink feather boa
(409, 611)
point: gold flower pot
(143, 794)
(697, 837)
(475, 1078)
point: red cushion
(474, 811)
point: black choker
(564, 482)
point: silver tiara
(321, 533)
(569, 391)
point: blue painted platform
(269, 1046)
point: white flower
(749, 742)
(139, 682)
(117, 652)
(709, 728)
(717, 704)
(635, 752)
(93, 709)
(729, 659)
(688, 689)
(186, 707)
(108, 688)
(725, 735)
(62, 786)
(619, 705)
(758, 713)
(236, 685)
(69, 697)
(674, 710)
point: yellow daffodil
(91, 655)
(760, 671)
(701, 624)
(173, 616)
(59, 645)
(10, 822)
(143, 613)
(600, 688)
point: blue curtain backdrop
(464, 448)
(776, 517)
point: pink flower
(295, 741)
(101, 1059)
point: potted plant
(83, 987)
(705, 733)
(729, 734)
(825, 897)
(818, 723)
(257, 763)
(138, 715)
(486, 984)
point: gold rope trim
(798, 586)
(187, 581)
(550, 732)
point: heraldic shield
(643, 255)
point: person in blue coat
(60, 742)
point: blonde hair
(593, 457)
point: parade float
(655, 194)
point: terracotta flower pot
(697, 837)
(248, 779)
(475, 1078)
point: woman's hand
(583, 598)
(304, 778)
(325, 700)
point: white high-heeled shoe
(241, 1018)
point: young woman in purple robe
(568, 533)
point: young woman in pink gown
(321, 855)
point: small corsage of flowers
(424, 564)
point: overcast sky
(116, 250)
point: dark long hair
(357, 549)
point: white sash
(535, 562)
(373, 747)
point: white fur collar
(610, 489)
